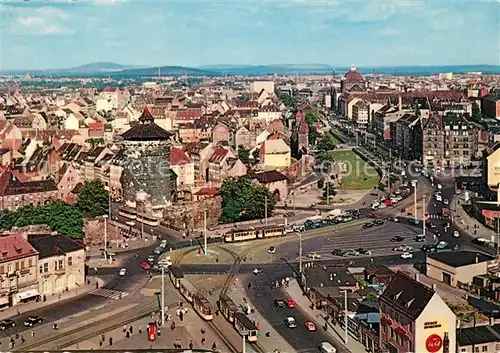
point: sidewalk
(336, 332)
(466, 223)
(13, 311)
(269, 344)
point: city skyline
(62, 34)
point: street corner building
(414, 318)
(145, 160)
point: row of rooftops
(16, 246)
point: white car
(271, 250)
(290, 322)
(456, 234)
(123, 272)
(407, 255)
(314, 256)
(446, 202)
(130, 223)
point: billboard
(436, 336)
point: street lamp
(163, 296)
(424, 208)
(346, 332)
(414, 185)
(105, 238)
(205, 246)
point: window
(10, 268)
(485, 348)
(476, 349)
(46, 267)
(59, 265)
(70, 261)
(41, 269)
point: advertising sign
(436, 336)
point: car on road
(145, 265)
(6, 324)
(310, 326)
(363, 251)
(456, 234)
(407, 255)
(290, 303)
(280, 303)
(431, 225)
(32, 321)
(158, 250)
(378, 222)
(446, 202)
(338, 252)
(151, 258)
(367, 225)
(290, 322)
(351, 252)
(123, 272)
(397, 238)
(313, 255)
(271, 250)
(130, 223)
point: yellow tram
(245, 327)
(187, 289)
(227, 307)
(203, 307)
(176, 276)
(237, 235)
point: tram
(245, 327)
(227, 307)
(176, 276)
(187, 289)
(149, 220)
(127, 212)
(203, 307)
(237, 235)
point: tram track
(80, 334)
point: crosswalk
(376, 240)
(437, 216)
(109, 293)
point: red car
(145, 265)
(310, 326)
(290, 303)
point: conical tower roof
(146, 129)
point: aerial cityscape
(256, 176)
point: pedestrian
(18, 312)
(32, 334)
(191, 345)
(96, 285)
(124, 328)
(22, 339)
(127, 334)
(100, 343)
(203, 341)
(140, 330)
(131, 329)
(202, 331)
(214, 346)
(111, 341)
(103, 337)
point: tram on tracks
(227, 307)
(176, 276)
(237, 235)
(203, 307)
(245, 327)
(187, 289)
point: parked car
(378, 222)
(456, 234)
(158, 250)
(145, 265)
(313, 255)
(123, 272)
(32, 321)
(151, 258)
(367, 225)
(362, 251)
(290, 322)
(271, 250)
(280, 303)
(397, 238)
(338, 252)
(310, 326)
(6, 324)
(290, 303)
(407, 255)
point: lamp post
(163, 296)
(205, 245)
(414, 185)
(244, 349)
(265, 208)
(105, 238)
(346, 330)
(424, 208)
(300, 257)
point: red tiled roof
(303, 127)
(178, 156)
(218, 155)
(207, 191)
(188, 114)
(110, 89)
(299, 115)
(14, 247)
(353, 75)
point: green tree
(327, 142)
(244, 154)
(288, 101)
(7, 219)
(311, 118)
(477, 116)
(256, 154)
(63, 218)
(329, 190)
(243, 200)
(93, 199)
(313, 135)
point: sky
(52, 34)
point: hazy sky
(61, 34)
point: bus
(127, 212)
(149, 220)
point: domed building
(352, 82)
(148, 182)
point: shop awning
(28, 294)
(4, 300)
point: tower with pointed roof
(147, 179)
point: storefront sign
(436, 336)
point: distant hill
(101, 69)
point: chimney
(434, 287)
(417, 277)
